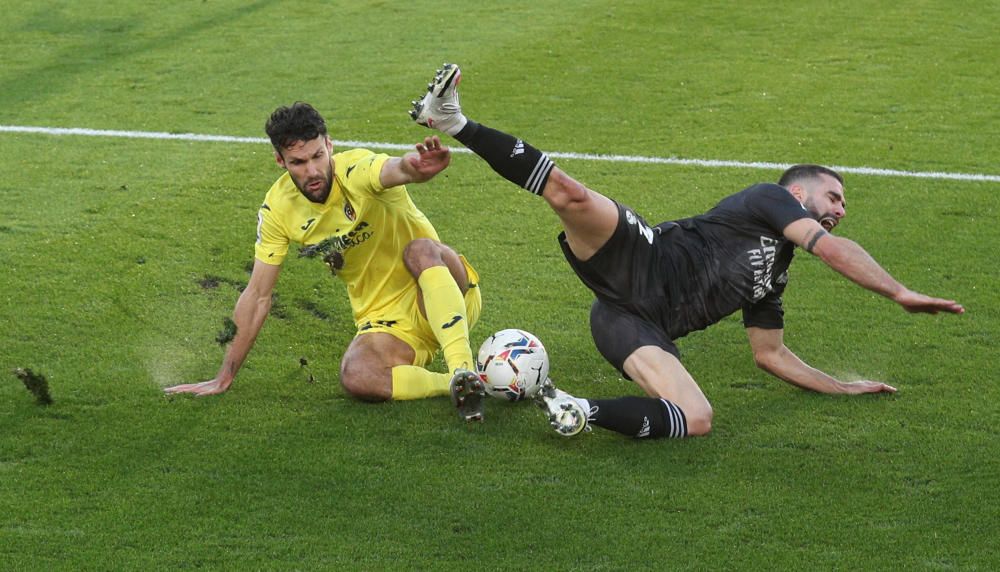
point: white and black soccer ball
(512, 364)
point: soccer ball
(513, 364)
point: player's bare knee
(423, 253)
(565, 193)
(699, 420)
(420, 254)
(360, 383)
(697, 416)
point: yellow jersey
(369, 224)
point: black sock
(512, 158)
(639, 417)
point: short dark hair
(299, 122)
(796, 172)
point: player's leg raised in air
(675, 406)
(588, 217)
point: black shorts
(627, 276)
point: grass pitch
(121, 257)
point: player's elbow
(259, 301)
(765, 359)
(264, 304)
(253, 302)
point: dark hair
(300, 122)
(796, 172)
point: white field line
(710, 163)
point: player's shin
(413, 382)
(445, 307)
(639, 417)
(512, 158)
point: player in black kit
(655, 284)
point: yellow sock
(412, 382)
(445, 308)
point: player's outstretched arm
(848, 258)
(771, 355)
(251, 311)
(429, 159)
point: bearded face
(824, 200)
(310, 167)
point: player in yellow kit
(410, 293)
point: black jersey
(732, 257)
(688, 274)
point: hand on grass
(865, 386)
(210, 387)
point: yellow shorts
(405, 322)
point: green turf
(122, 257)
